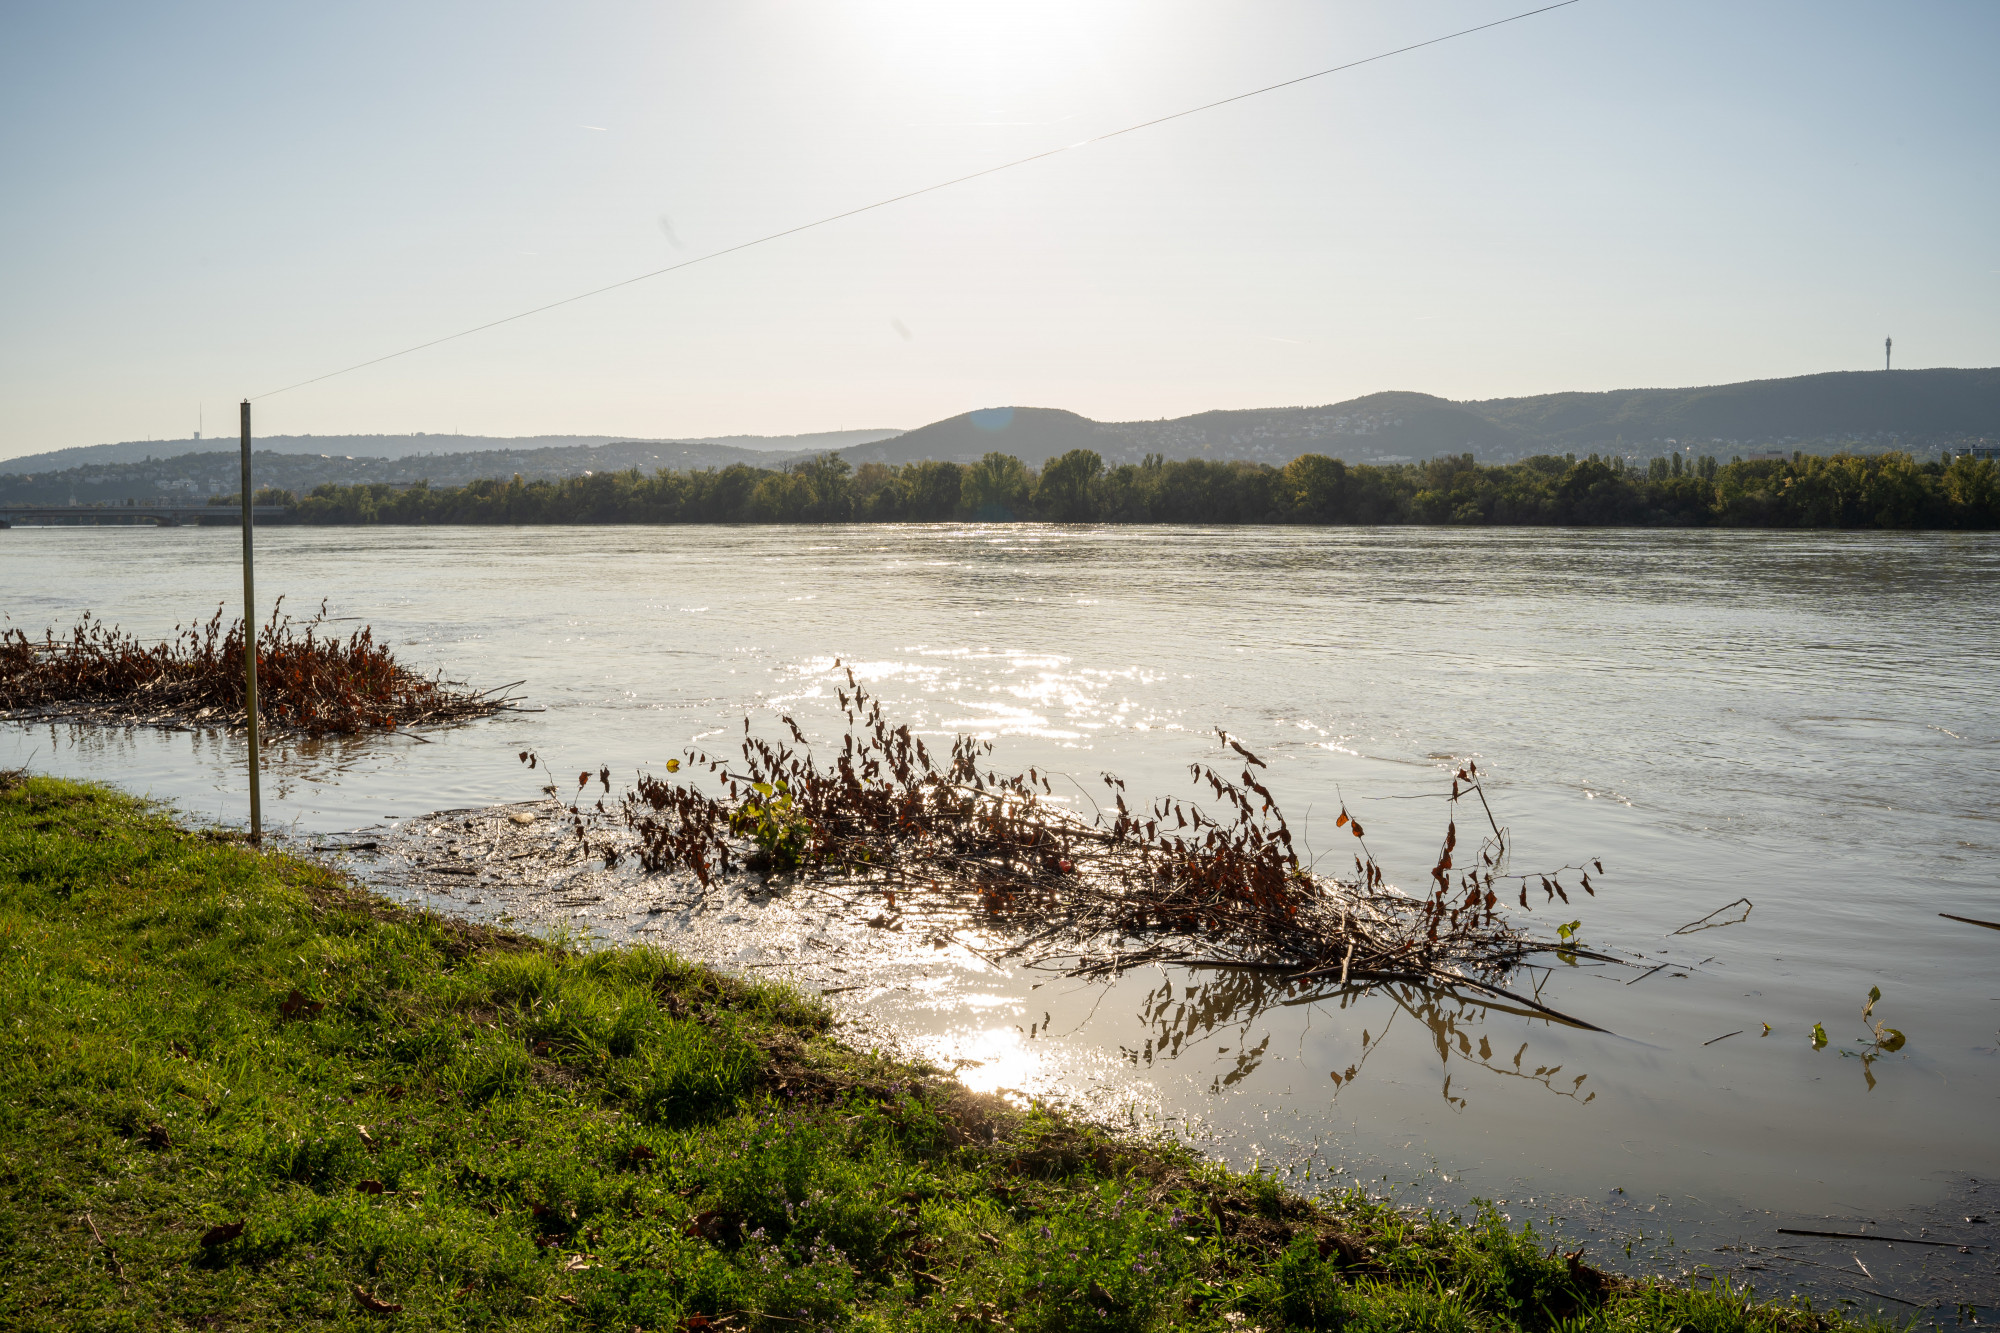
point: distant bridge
(159, 515)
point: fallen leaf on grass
(361, 1131)
(370, 1187)
(156, 1137)
(221, 1234)
(374, 1304)
(297, 1005)
(716, 1226)
(576, 1263)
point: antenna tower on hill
(1887, 343)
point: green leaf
(1818, 1037)
(1874, 994)
(761, 788)
(1891, 1040)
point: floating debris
(306, 685)
(1716, 918)
(948, 847)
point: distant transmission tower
(1887, 343)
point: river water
(1807, 721)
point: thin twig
(109, 1253)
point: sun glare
(987, 65)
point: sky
(204, 202)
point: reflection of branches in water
(1183, 1017)
(1447, 1016)
(1235, 999)
(1247, 1061)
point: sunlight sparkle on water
(992, 1060)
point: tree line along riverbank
(241, 1091)
(1889, 490)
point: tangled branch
(948, 843)
(307, 684)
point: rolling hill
(1911, 409)
(1917, 410)
(407, 446)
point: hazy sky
(203, 201)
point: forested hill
(376, 448)
(1916, 408)
(217, 471)
(1919, 412)
(1912, 410)
(1384, 427)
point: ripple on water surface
(1803, 720)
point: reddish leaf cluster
(307, 683)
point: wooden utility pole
(250, 639)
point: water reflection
(1184, 1019)
(1805, 719)
(294, 767)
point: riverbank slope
(237, 1091)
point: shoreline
(157, 924)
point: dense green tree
(1313, 488)
(1843, 491)
(1064, 491)
(996, 488)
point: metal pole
(250, 639)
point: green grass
(492, 1132)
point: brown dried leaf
(373, 1304)
(296, 1005)
(221, 1234)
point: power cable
(913, 194)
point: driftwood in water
(306, 684)
(946, 844)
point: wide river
(1807, 721)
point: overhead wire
(918, 193)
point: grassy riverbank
(404, 1111)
